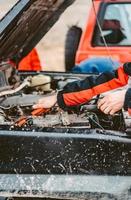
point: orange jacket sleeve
(80, 92)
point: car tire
(71, 45)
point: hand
(46, 102)
(112, 102)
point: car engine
(19, 93)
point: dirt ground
(51, 47)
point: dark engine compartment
(18, 93)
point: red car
(107, 34)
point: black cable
(100, 29)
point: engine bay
(18, 93)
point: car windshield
(120, 14)
(116, 25)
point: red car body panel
(87, 50)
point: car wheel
(71, 45)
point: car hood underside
(26, 23)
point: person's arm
(80, 92)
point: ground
(51, 47)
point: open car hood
(25, 24)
